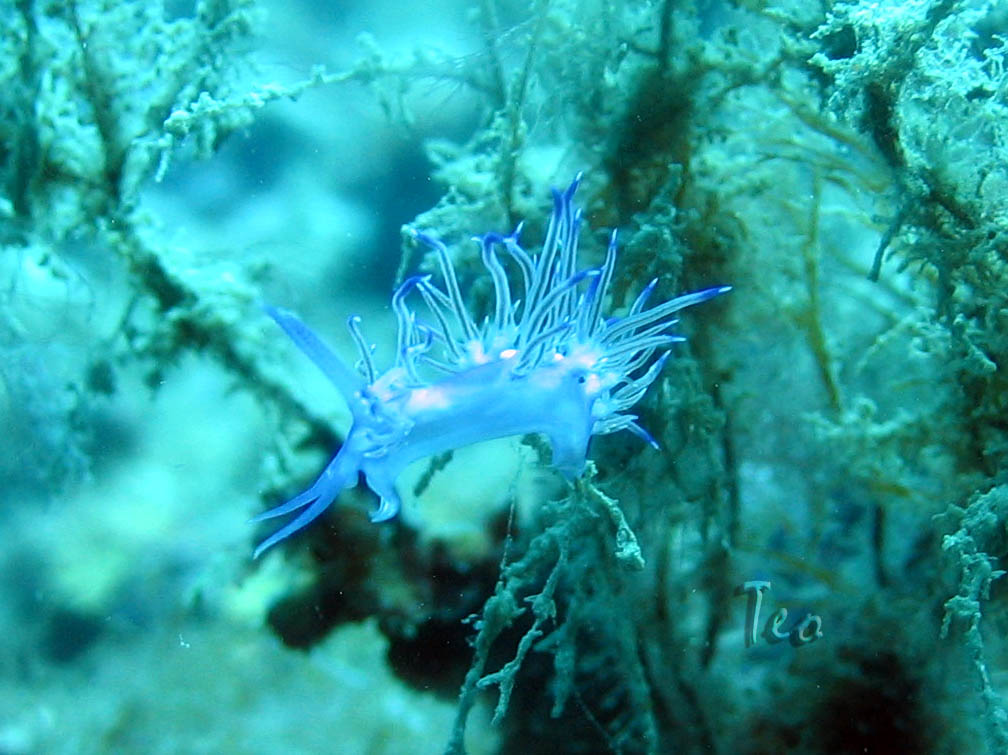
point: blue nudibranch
(547, 363)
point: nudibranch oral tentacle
(546, 362)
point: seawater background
(847, 414)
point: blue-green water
(831, 435)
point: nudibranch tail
(544, 360)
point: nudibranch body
(548, 363)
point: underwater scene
(485, 377)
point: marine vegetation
(836, 426)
